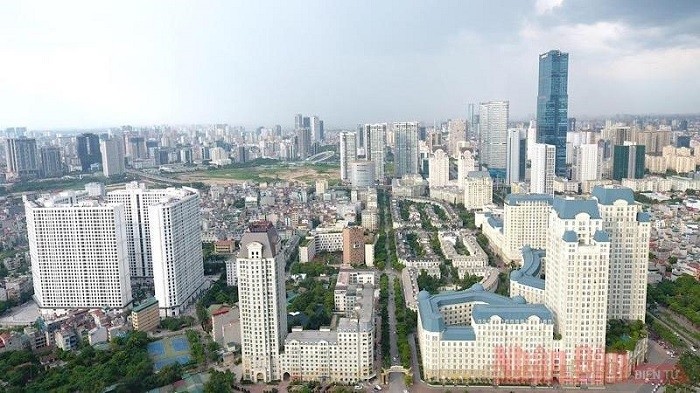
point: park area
(169, 351)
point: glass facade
(552, 105)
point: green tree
(219, 382)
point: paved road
(680, 334)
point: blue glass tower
(553, 105)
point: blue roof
(515, 199)
(495, 222)
(529, 273)
(643, 217)
(487, 305)
(608, 195)
(570, 236)
(567, 209)
(516, 313)
(601, 236)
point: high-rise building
(112, 150)
(348, 153)
(457, 130)
(516, 150)
(525, 222)
(628, 162)
(176, 249)
(628, 228)
(542, 169)
(552, 104)
(472, 121)
(478, 190)
(578, 260)
(263, 305)
(438, 169)
(465, 164)
(316, 129)
(493, 127)
(304, 143)
(78, 253)
(51, 165)
(22, 158)
(376, 148)
(88, 150)
(362, 173)
(406, 153)
(298, 121)
(136, 148)
(586, 165)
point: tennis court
(169, 351)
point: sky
(98, 64)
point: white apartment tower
(438, 169)
(576, 290)
(465, 164)
(112, 150)
(478, 190)
(587, 163)
(542, 169)
(348, 153)
(525, 223)
(493, 126)
(406, 152)
(176, 249)
(628, 228)
(375, 137)
(78, 253)
(260, 263)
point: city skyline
(254, 64)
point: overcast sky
(84, 64)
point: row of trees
(681, 296)
(406, 320)
(384, 313)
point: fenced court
(169, 351)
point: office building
(552, 105)
(543, 164)
(628, 162)
(472, 121)
(457, 130)
(375, 136)
(438, 169)
(478, 190)
(136, 148)
(176, 250)
(406, 152)
(493, 128)
(316, 126)
(516, 150)
(262, 302)
(629, 229)
(78, 253)
(112, 150)
(88, 151)
(51, 164)
(362, 173)
(304, 142)
(22, 158)
(298, 121)
(348, 153)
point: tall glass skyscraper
(553, 105)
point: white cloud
(546, 6)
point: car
(358, 387)
(377, 388)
